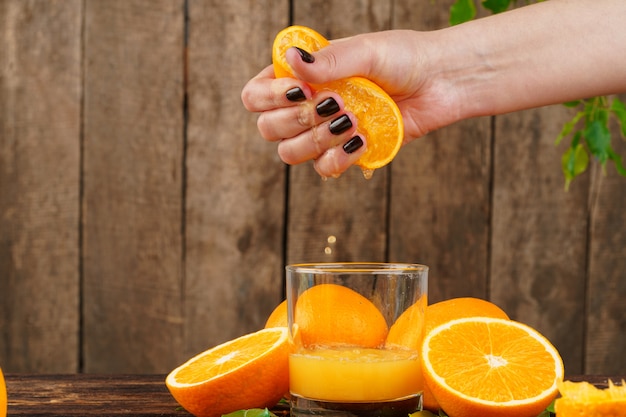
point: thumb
(342, 58)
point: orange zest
(333, 315)
(582, 399)
(378, 116)
(251, 371)
(483, 366)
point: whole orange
(334, 315)
(278, 317)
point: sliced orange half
(378, 116)
(299, 36)
(251, 371)
(489, 367)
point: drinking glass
(356, 330)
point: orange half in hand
(378, 116)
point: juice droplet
(368, 173)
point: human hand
(304, 122)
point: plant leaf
(496, 6)
(252, 412)
(462, 11)
(619, 110)
(598, 139)
(574, 162)
(617, 160)
(572, 103)
(568, 127)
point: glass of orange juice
(356, 330)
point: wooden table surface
(114, 395)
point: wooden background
(143, 219)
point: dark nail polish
(305, 56)
(353, 144)
(327, 107)
(340, 125)
(295, 94)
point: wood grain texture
(440, 199)
(40, 80)
(235, 195)
(342, 219)
(143, 218)
(133, 185)
(539, 238)
(605, 338)
(114, 395)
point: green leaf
(617, 160)
(568, 127)
(496, 6)
(598, 139)
(462, 11)
(619, 110)
(252, 412)
(574, 162)
(572, 103)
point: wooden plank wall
(142, 218)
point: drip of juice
(355, 374)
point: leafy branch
(588, 129)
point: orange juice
(355, 374)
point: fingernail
(327, 107)
(305, 56)
(295, 94)
(353, 144)
(340, 125)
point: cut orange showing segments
(582, 399)
(251, 371)
(407, 332)
(333, 315)
(378, 117)
(490, 367)
(299, 36)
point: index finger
(266, 92)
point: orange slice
(251, 371)
(407, 332)
(488, 367)
(300, 36)
(378, 116)
(582, 399)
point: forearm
(548, 53)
